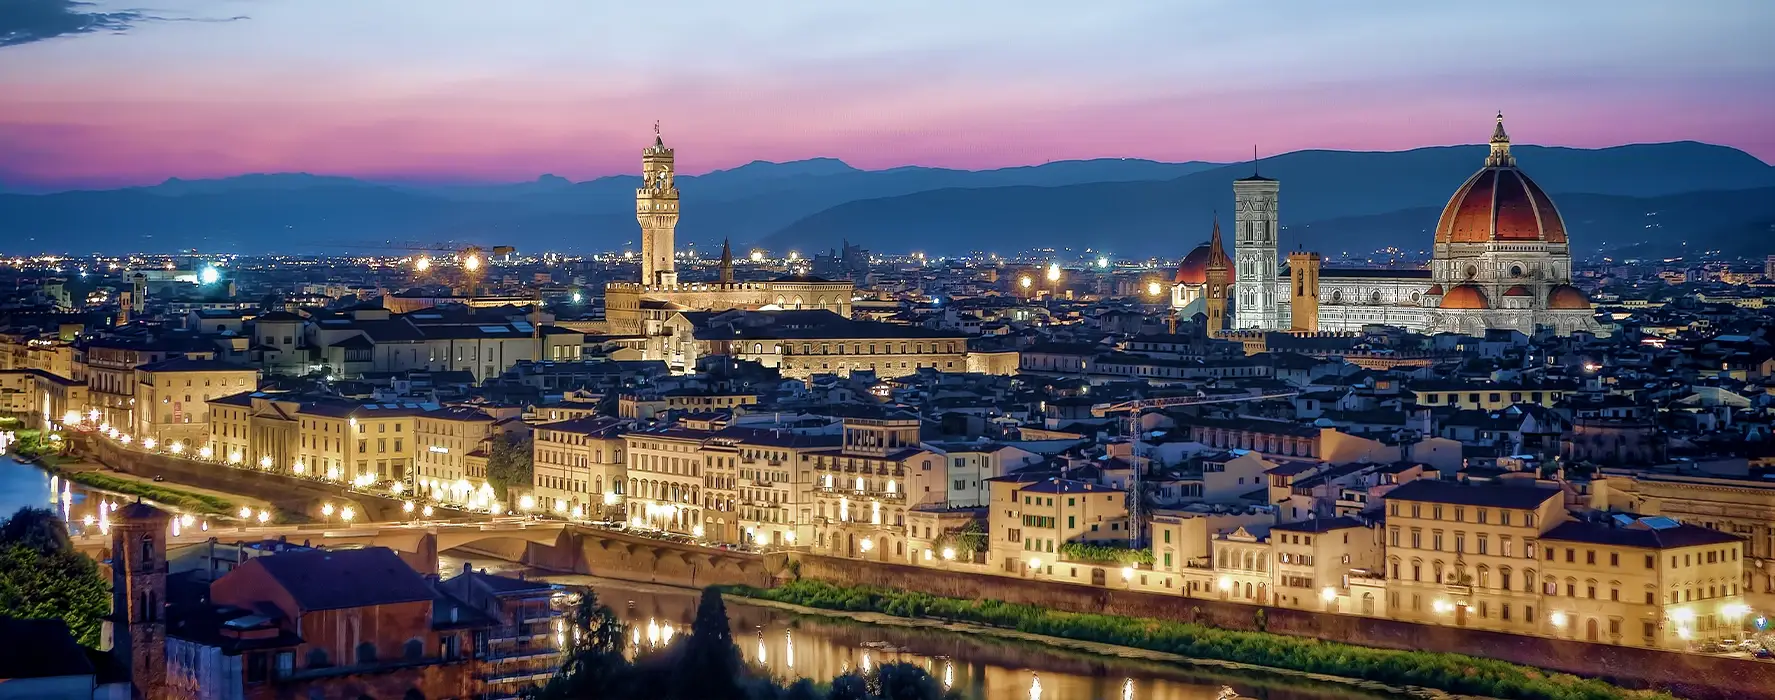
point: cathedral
(1501, 260)
(642, 307)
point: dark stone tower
(1215, 296)
(138, 596)
(726, 263)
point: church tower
(1214, 295)
(726, 263)
(138, 596)
(656, 207)
(1254, 250)
(1303, 304)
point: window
(286, 663)
(366, 653)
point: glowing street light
(426, 511)
(1127, 573)
(1153, 288)
(948, 554)
(177, 447)
(209, 275)
(346, 514)
(327, 511)
(1328, 594)
(527, 503)
(472, 262)
(1025, 282)
(265, 462)
(264, 517)
(148, 443)
(423, 263)
(1053, 272)
(245, 513)
(407, 507)
(298, 467)
(1102, 262)
(206, 452)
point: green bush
(1454, 673)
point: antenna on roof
(1254, 159)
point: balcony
(521, 654)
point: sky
(107, 94)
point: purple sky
(472, 90)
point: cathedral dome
(1518, 291)
(1500, 204)
(1566, 296)
(1465, 296)
(1194, 268)
(1435, 290)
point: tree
(592, 663)
(42, 576)
(709, 665)
(37, 528)
(508, 464)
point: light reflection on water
(86, 511)
(791, 646)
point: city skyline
(214, 88)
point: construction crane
(1134, 408)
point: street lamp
(246, 513)
(1153, 288)
(327, 511)
(422, 264)
(264, 517)
(472, 262)
(346, 514)
(1053, 272)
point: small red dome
(1435, 290)
(1518, 291)
(1465, 296)
(1194, 268)
(1566, 296)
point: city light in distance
(422, 264)
(757, 256)
(209, 275)
(472, 262)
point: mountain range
(1650, 198)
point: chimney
(468, 568)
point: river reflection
(87, 511)
(980, 668)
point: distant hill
(1127, 206)
(1164, 217)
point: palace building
(642, 307)
(1501, 260)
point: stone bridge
(554, 546)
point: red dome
(1566, 296)
(1194, 268)
(1465, 296)
(1518, 291)
(1499, 203)
(1434, 291)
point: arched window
(366, 653)
(413, 650)
(1515, 270)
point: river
(820, 647)
(23, 484)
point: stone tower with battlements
(1254, 253)
(656, 207)
(138, 596)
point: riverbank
(1016, 651)
(1447, 673)
(92, 475)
